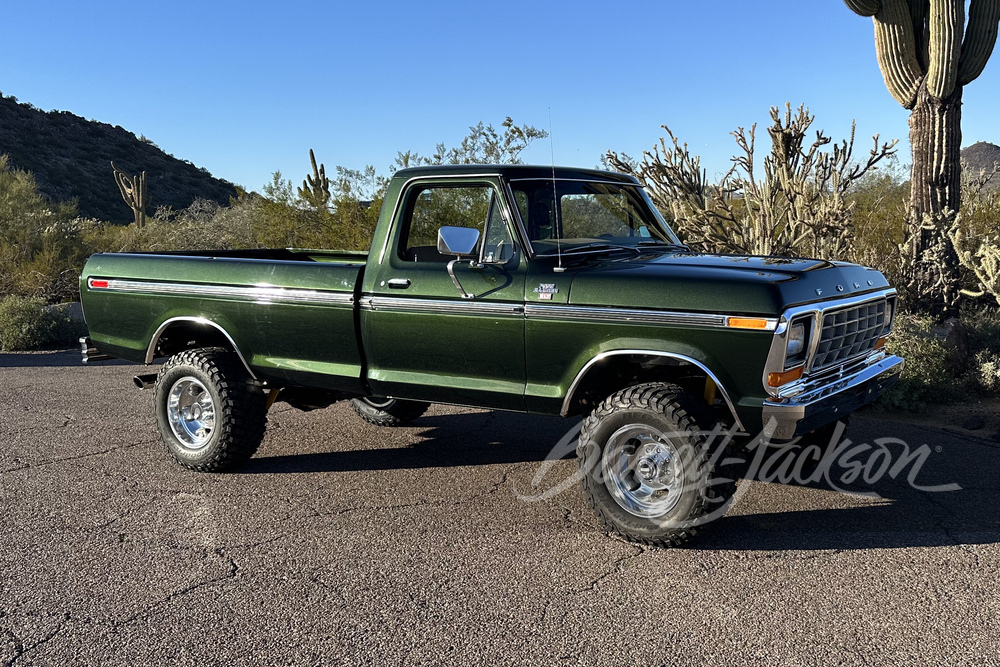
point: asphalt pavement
(344, 543)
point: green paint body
(453, 352)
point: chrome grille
(849, 332)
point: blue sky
(248, 88)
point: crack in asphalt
(149, 610)
(20, 650)
(48, 462)
(617, 566)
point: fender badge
(546, 290)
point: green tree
(483, 145)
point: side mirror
(458, 241)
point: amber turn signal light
(760, 323)
(880, 343)
(778, 379)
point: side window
(435, 206)
(499, 244)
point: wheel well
(185, 335)
(614, 373)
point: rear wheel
(650, 467)
(388, 411)
(210, 413)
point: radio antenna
(555, 203)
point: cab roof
(517, 171)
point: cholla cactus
(797, 207)
(133, 189)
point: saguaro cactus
(316, 188)
(133, 189)
(927, 53)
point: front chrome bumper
(817, 406)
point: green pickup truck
(549, 291)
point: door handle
(399, 283)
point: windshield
(588, 214)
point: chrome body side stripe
(625, 316)
(557, 312)
(258, 293)
(441, 306)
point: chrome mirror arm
(454, 279)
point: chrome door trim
(260, 293)
(151, 350)
(654, 353)
(439, 306)
(406, 185)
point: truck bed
(291, 313)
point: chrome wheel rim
(642, 470)
(191, 413)
(377, 402)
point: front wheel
(652, 469)
(388, 411)
(210, 413)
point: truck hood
(717, 283)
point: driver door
(424, 341)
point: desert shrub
(934, 371)
(23, 323)
(987, 369)
(26, 323)
(927, 376)
(63, 329)
(39, 244)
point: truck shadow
(900, 516)
(444, 441)
(902, 512)
(51, 359)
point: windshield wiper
(592, 247)
(664, 244)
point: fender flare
(567, 401)
(151, 350)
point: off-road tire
(240, 409)
(669, 409)
(388, 411)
